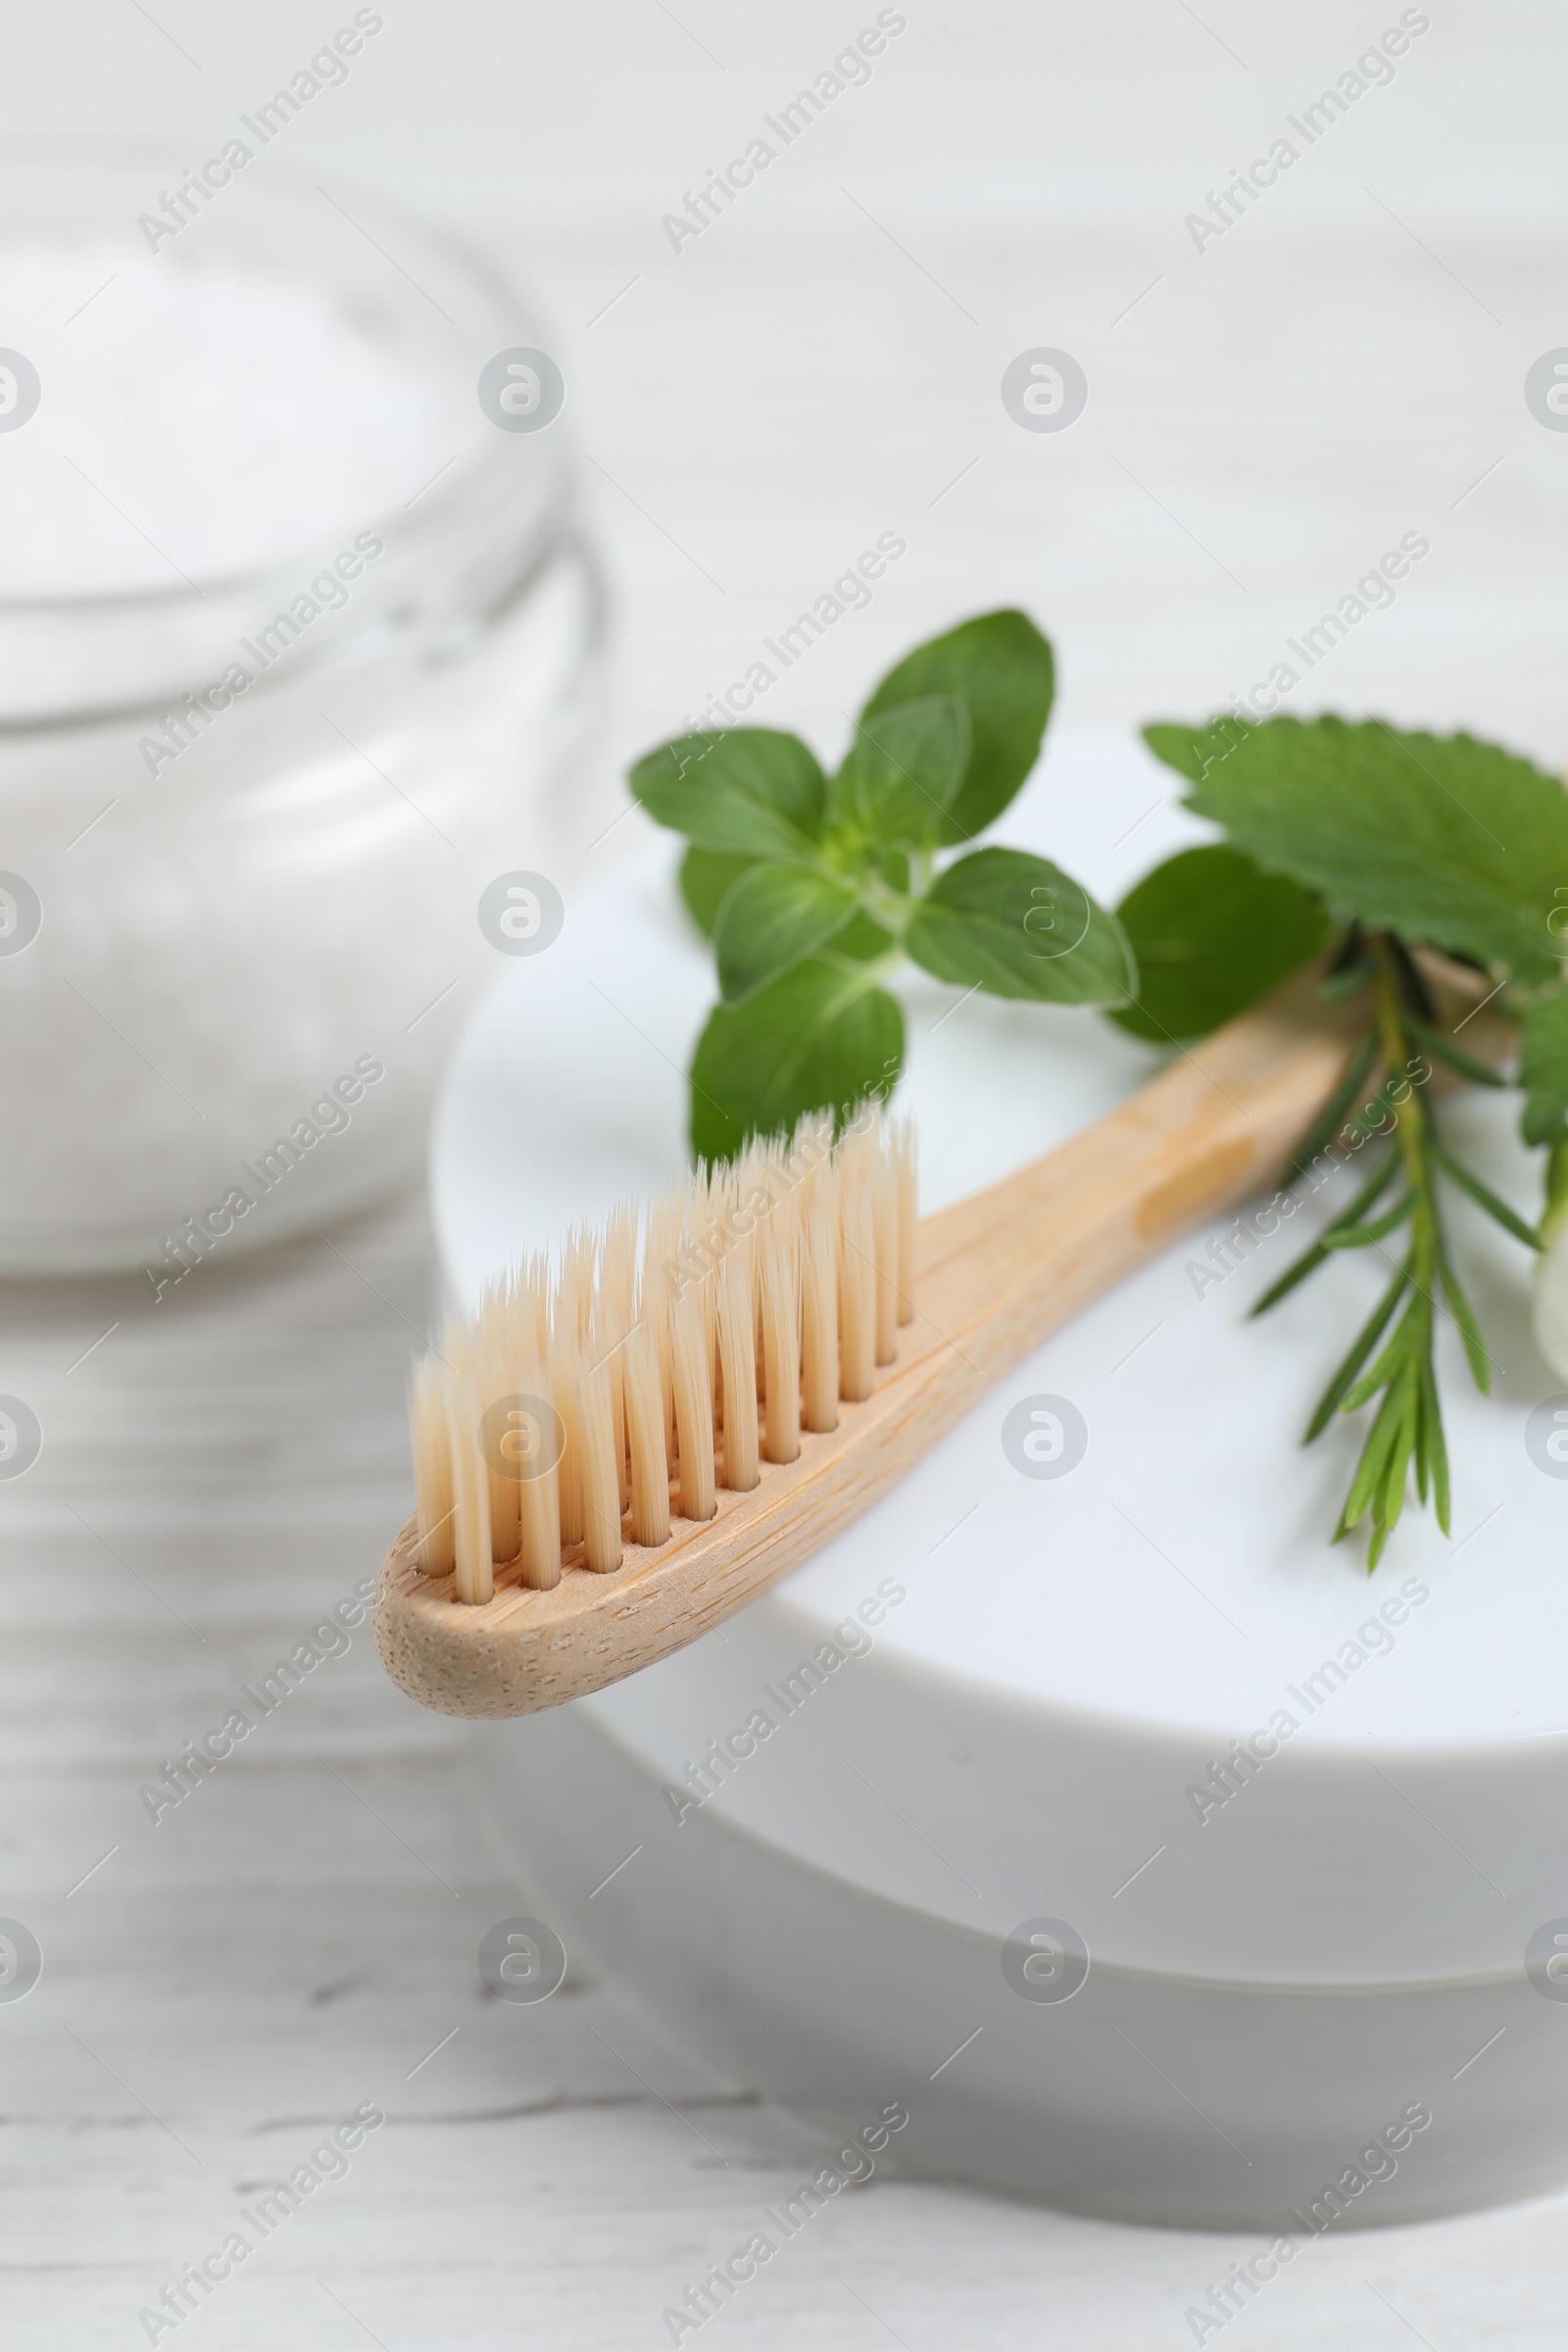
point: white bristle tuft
(819, 1316)
(694, 1409)
(882, 1180)
(645, 1441)
(432, 1466)
(564, 1350)
(779, 1293)
(857, 1286)
(583, 1409)
(737, 1354)
(474, 1562)
(535, 1445)
(599, 1440)
(906, 1163)
(661, 1249)
(618, 1270)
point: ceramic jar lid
(1125, 1680)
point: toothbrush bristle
(583, 1410)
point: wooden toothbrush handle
(996, 1274)
(1011, 1264)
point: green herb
(1543, 1068)
(814, 890)
(1211, 935)
(1395, 843)
(1350, 847)
(1433, 838)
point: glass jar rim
(478, 479)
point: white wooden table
(298, 1937)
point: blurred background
(823, 362)
(1275, 398)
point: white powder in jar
(199, 420)
(225, 930)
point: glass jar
(238, 929)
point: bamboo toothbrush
(613, 1457)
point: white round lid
(1069, 1657)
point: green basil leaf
(1211, 934)
(1544, 1069)
(863, 939)
(770, 918)
(1018, 926)
(902, 771)
(705, 877)
(821, 1038)
(749, 789)
(1440, 839)
(1000, 669)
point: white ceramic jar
(268, 937)
(1157, 1859)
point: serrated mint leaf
(750, 789)
(1000, 669)
(1211, 934)
(1017, 926)
(1193, 751)
(901, 773)
(771, 917)
(1544, 1069)
(1440, 839)
(821, 1038)
(705, 877)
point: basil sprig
(815, 888)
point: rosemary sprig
(1411, 846)
(1401, 1380)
